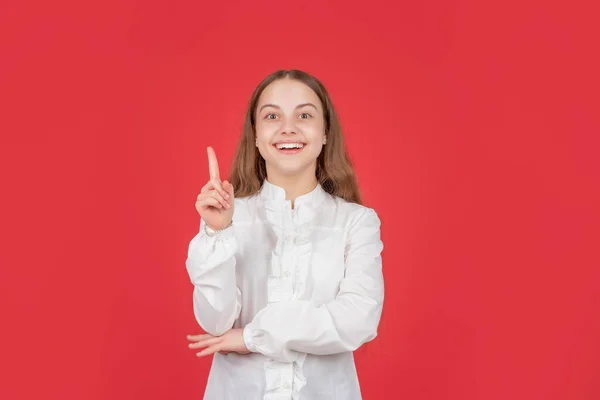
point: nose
(289, 126)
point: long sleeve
(211, 267)
(286, 329)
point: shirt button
(286, 274)
(286, 385)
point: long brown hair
(334, 168)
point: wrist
(210, 231)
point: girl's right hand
(216, 199)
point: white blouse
(306, 284)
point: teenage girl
(286, 266)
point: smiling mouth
(289, 148)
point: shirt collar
(273, 193)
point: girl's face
(290, 128)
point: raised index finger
(213, 165)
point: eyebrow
(298, 106)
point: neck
(294, 185)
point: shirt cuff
(221, 234)
(248, 339)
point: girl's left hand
(231, 341)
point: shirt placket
(286, 292)
(288, 260)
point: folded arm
(285, 329)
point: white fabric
(306, 284)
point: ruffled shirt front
(305, 284)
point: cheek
(315, 133)
(264, 137)
(265, 132)
(261, 137)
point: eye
(271, 116)
(305, 115)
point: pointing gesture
(216, 198)
(213, 165)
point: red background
(475, 133)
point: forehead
(288, 93)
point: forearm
(283, 330)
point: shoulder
(354, 215)
(361, 225)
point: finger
(210, 350)
(218, 186)
(228, 187)
(217, 195)
(205, 343)
(210, 185)
(197, 337)
(209, 201)
(215, 184)
(213, 165)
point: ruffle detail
(284, 381)
(299, 378)
(279, 380)
(290, 262)
(288, 275)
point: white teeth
(290, 145)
